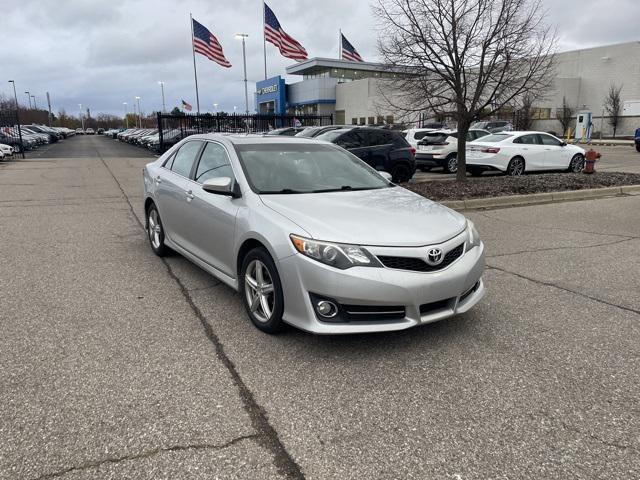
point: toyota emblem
(435, 256)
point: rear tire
(401, 174)
(516, 167)
(451, 164)
(638, 147)
(155, 232)
(261, 291)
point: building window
(354, 121)
(372, 121)
(540, 113)
(380, 120)
(389, 119)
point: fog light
(326, 309)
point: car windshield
(495, 138)
(305, 168)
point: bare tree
(565, 116)
(464, 58)
(524, 115)
(613, 106)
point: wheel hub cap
(259, 291)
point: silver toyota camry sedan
(310, 235)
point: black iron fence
(173, 128)
(10, 133)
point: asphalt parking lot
(116, 364)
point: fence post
(160, 137)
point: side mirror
(387, 176)
(221, 186)
(563, 144)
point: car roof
(251, 138)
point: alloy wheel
(452, 164)
(516, 167)
(577, 164)
(259, 291)
(155, 229)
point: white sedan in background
(518, 152)
(6, 150)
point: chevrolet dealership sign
(270, 89)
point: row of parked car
(149, 138)
(33, 136)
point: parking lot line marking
(267, 436)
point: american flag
(205, 43)
(349, 52)
(274, 33)
(186, 106)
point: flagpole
(340, 43)
(264, 41)
(195, 71)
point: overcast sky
(101, 54)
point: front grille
(354, 313)
(427, 308)
(419, 265)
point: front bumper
(453, 290)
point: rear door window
(351, 139)
(549, 140)
(183, 160)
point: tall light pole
(164, 108)
(15, 96)
(29, 98)
(35, 105)
(139, 112)
(243, 36)
(215, 108)
(81, 116)
(126, 118)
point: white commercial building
(357, 93)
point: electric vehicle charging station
(584, 126)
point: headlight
(337, 255)
(474, 236)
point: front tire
(451, 165)
(577, 163)
(516, 167)
(261, 291)
(155, 232)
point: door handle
(190, 195)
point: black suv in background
(382, 149)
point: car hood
(385, 217)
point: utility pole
(35, 105)
(243, 36)
(29, 98)
(49, 105)
(164, 108)
(139, 112)
(81, 116)
(126, 113)
(15, 96)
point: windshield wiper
(344, 188)
(284, 191)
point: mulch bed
(498, 186)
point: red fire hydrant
(590, 164)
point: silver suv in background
(440, 149)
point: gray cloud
(102, 54)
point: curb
(539, 198)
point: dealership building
(357, 92)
